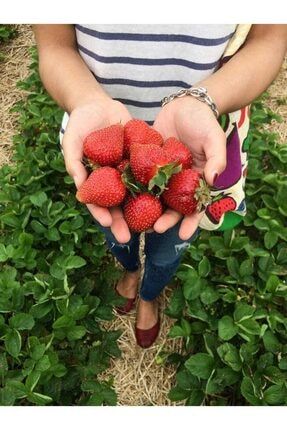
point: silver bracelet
(199, 93)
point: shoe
(127, 307)
(145, 338)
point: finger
(102, 215)
(215, 152)
(119, 226)
(78, 172)
(189, 225)
(73, 152)
(168, 219)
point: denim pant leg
(126, 253)
(163, 255)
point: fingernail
(215, 177)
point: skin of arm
(69, 81)
(71, 84)
(243, 78)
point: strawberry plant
(55, 273)
(230, 302)
(7, 32)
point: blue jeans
(163, 254)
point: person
(103, 74)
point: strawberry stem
(158, 183)
(129, 180)
(202, 195)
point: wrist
(194, 92)
(79, 100)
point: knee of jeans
(116, 245)
(169, 257)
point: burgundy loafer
(145, 338)
(127, 307)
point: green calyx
(202, 195)
(132, 185)
(159, 182)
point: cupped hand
(194, 124)
(84, 119)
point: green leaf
(230, 356)
(204, 267)
(248, 391)
(77, 332)
(3, 254)
(250, 326)
(177, 394)
(39, 399)
(209, 295)
(196, 398)
(176, 304)
(246, 268)
(226, 328)
(275, 395)
(243, 311)
(200, 365)
(3, 365)
(233, 267)
(271, 342)
(270, 239)
(17, 387)
(74, 262)
(39, 198)
(272, 283)
(32, 380)
(7, 397)
(63, 321)
(13, 342)
(22, 321)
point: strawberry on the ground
(105, 146)
(186, 192)
(122, 166)
(142, 211)
(178, 152)
(104, 187)
(138, 131)
(219, 207)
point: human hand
(194, 124)
(83, 119)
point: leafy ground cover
(56, 277)
(55, 273)
(231, 303)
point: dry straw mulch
(13, 68)
(138, 376)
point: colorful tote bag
(228, 206)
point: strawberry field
(228, 303)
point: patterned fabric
(228, 207)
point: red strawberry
(138, 131)
(178, 152)
(153, 137)
(146, 160)
(186, 192)
(123, 165)
(105, 146)
(104, 187)
(142, 211)
(219, 207)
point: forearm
(245, 76)
(63, 72)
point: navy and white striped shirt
(140, 64)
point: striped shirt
(140, 64)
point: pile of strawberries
(133, 167)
